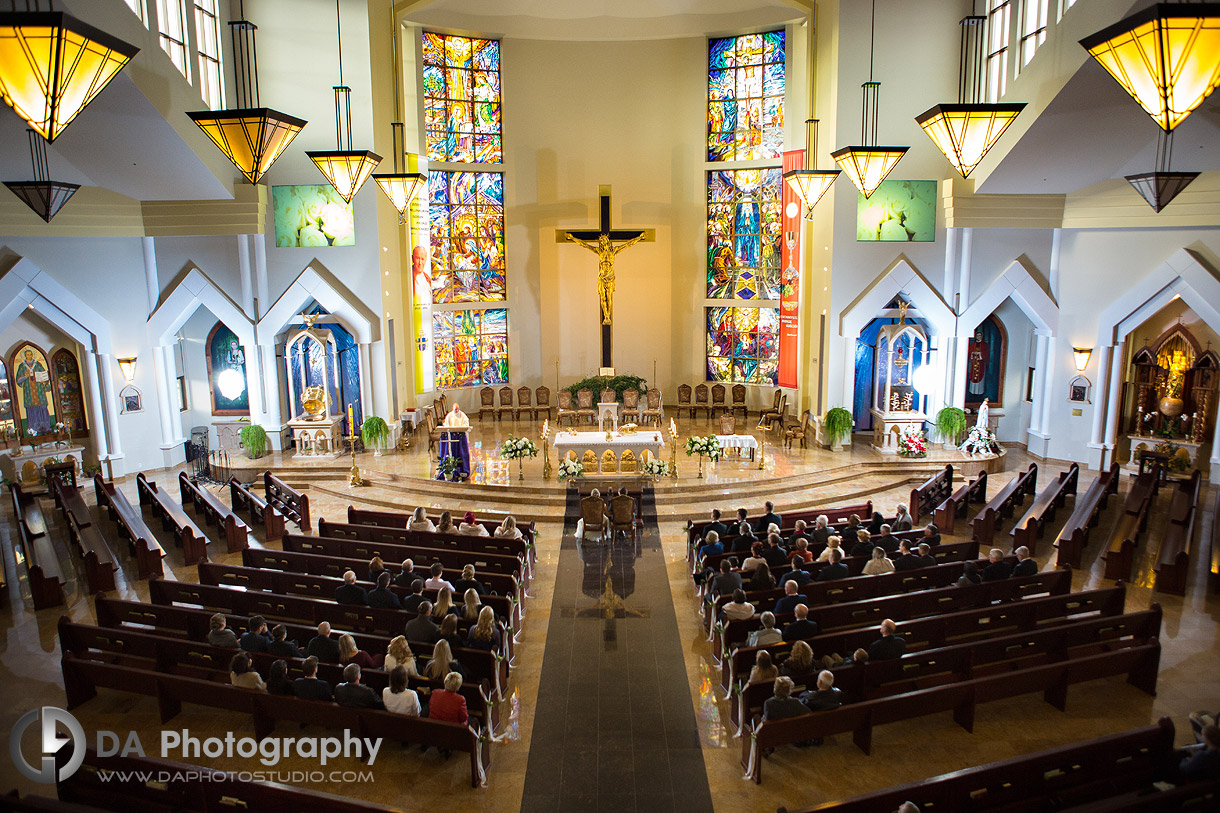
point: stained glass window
(743, 345)
(471, 347)
(745, 97)
(743, 233)
(466, 224)
(462, 99)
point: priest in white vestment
(456, 444)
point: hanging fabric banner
(790, 288)
(421, 293)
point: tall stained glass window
(462, 99)
(743, 233)
(743, 345)
(471, 347)
(745, 97)
(466, 224)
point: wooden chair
(799, 431)
(584, 405)
(593, 512)
(684, 400)
(434, 432)
(487, 404)
(631, 406)
(717, 400)
(654, 409)
(701, 401)
(739, 402)
(728, 424)
(565, 408)
(608, 396)
(772, 410)
(622, 516)
(506, 403)
(524, 407)
(773, 418)
(542, 404)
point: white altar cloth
(581, 442)
(739, 442)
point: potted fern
(254, 440)
(837, 424)
(950, 424)
(375, 433)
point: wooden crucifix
(606, 243)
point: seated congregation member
(446, 526)
(376, 568)
(821, 531)
(351, 692)
(448, 703)
(768, 518)
(997, 569)
(879, 564)
(308, 686)
(397, 697)
(782, 704)
(255, 638)
(711, 545)
(399, 653)
(1200, 762)
(349, 592)
(1200, 720)
(788, 601)
(833, 542)
(800, 627)
(835, 570)
(470, 527)
(350, 653)
(444, 605)
(508, 529)
(889, 646)
(853, 525)
(411, 603)
(738, 609)
(1025, 565)
(280, 646)
(407, 576)
(218, 634)
(436, 578)
(775, 554)
(800, 547)
(767, 634)
(799, 662)
(906, 559)
(443, 663)
(755, 558)
(761, 578)
(826, 697)
(796, 574)
(420, 522)
(863, 546)
(471, 606)
(742, 516)
(931, 534)
(874, 524)
(902, 519)
(837, 662)
(800, 530)
(970, 575)
(716, 525)
(422, 628)
(887, 540)
(469, 582)
(243, 675)
(725, 582)
(277, 678)
(744, 541)
(485, 634)
(382, 597)
(322, 646)
(926, 559)
(449, 632)
(764, 670)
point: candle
(351, 422)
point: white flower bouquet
(980, 440)
(569, 468)
(912, 443)
(708, 447)
(656, 467)
(517, 448)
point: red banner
(790, 289)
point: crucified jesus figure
(605, 250)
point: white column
(366, 385)
(110, 400)
(97, 420)
(243, 267)
(950, 265)
(151, 281)
(1053, 269)
(959, 372)
(1035, 407)
(967, 256)
(163, 369)
(1115, 398)
(260, 273)
(1048, 388)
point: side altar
(609, 452)
(311, 358)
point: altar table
(609, 453)
(739, 442)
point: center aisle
(614, 728)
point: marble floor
(29, 653)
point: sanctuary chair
(441, 405)
(728, 424)
(487, 403)
(773, 410)
(434, 431)
(565, 408)
(584, 405)
(701, 402)
(773, 418)
(543, 402)
(524, 397)
(593, 514)
(622, 516)
(506, 403)
(684, 400)
(631, 406)
(739, 402)
(608, 396)
(799, 431)
(654, 409)
(717, 400)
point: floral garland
(515, 448)
(912, 443)
(980, 440)
(569, 468)
(656, 467)
(708, 446)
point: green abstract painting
(899, 211)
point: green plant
(254, 440)
(447, 467)
(375, 433)
(838, 423)
(618, 383)
(950, 424)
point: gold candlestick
(546, 448)
(762, 449)
(354, 480)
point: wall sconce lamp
(1081, 356)
(128, 366)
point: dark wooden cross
(615, 240)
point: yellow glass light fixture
(52, 66)
(1166, 56)
(1080, 356)
(811, 184)
(44, 196)
(400, 187)
(128, 366)
(1161, 186)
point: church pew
(713, 561)
(379, 533)
(82, 678)
(1139, 663)
(142, 544)
(940, 630)
(1173, 559)
(243, 499)
(46, 577)
(931, 493)
(399, 519)
(186, 533)
(1120, 550)
(958, 503)
(215, 512)
(1042, 510)
(288, 501)
(389, 552)
(1074, 535)
(100, 565)
(1095, 769)
(835, 516)
(987, 521)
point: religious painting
(744, 228)
(899, 211)
(462, 99)
(6, 403)
(312, 215)
(985, 354)
(471, 347)
(1078, 390)
(227, 372)
(745, 97)
(466, 232)
(71, 396)
(130, 400)
(742, 345)
(35, 411)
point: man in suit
(280, 645)
(902, 519)
(768, 634)
(802, 627)
(782, 704)
(408, 576)
(322, 646)
(744, 541)
(826, 697)
(835, 570)
(622, 505)
(997, 569)
(349, 592)
(382, 597)
(716, 525)
(906, 560)
(411, 603)
(742, 516)
(797, 575)
(788, 601)
(774, 553)
(887, 540)
(725, 583)
(354, 693)
(931, 534)
(889, 646)
(768, 519)
(926, 559)
(1025, 565)
(422, 628)
(310, 687)
(255, 638)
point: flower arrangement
(980, 440)
(655, 467)
(517, 448)
(569, 468)
(1176, 462)
(912, 443)
(708, 446)
(447, 467)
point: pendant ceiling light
(811, 184)
(52, 66)
(400, 187)
(44, 196)
(965, 131)
(1166, 56)
(345, 168)
(1160, 186)
(251, 136)
(868, 165)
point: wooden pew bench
(1042, 510)
(1120, 550)
(46, 575)
(100, 565)
(1086, 513)
(1173, 559)
(931, 493)
(288, 501)
(141, 541)
(836, 515)
(243, 499)
(490, 520)
(517, 548)
(358, 549)
(1003, 504)
(957, 504)
(187, 535)
(215, 512)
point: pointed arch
(1019, 284)
(1183, 275)
(187, 294)
(319, 284)
(900, 277)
